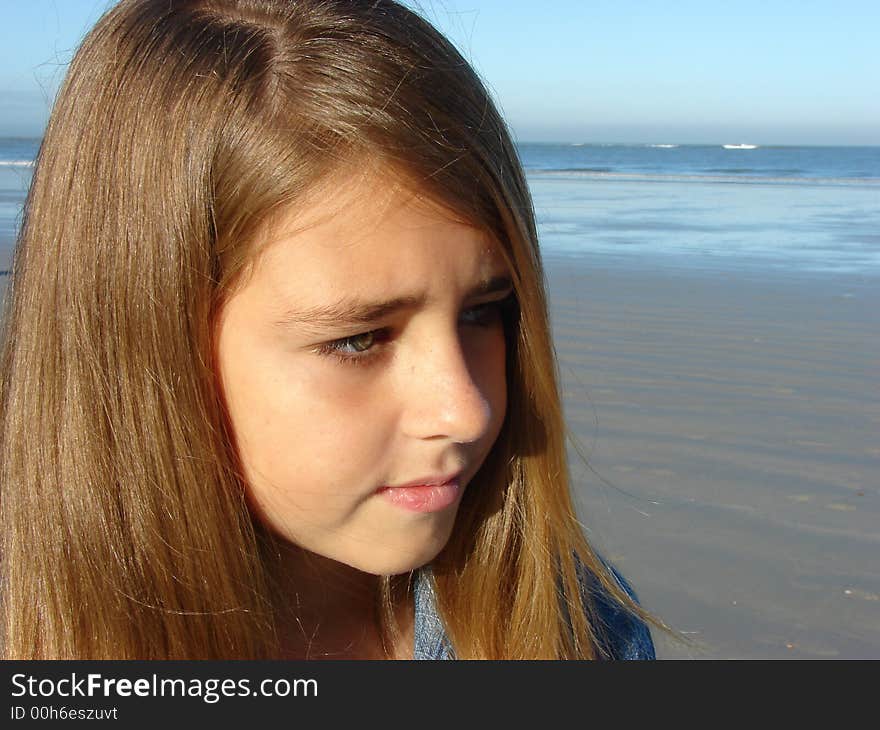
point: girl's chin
(404, 560)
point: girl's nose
(443, 393)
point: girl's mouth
(423, 498)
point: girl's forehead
(357, 197)
(357, 215)
(370, 237)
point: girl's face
(365, 350)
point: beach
(718, 337)
(730, 423)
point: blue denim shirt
(625, 636)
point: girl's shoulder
(622, 635)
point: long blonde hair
(181, 126)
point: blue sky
(767, 72)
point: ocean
(776, 210)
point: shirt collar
(431, 641)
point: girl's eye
(356, 350)
(362, 342)
(484, 314)
(365, 347)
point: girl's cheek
(356, 390)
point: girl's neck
(329, 610)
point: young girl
(277, 373)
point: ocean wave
(575, 170)
(609, 174)
(758, 172)
(733, 171)
(16, 163)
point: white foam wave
(685, 177)
(16, 163)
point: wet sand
(732, 427)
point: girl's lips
(423, 498)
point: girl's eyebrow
(353, 313)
